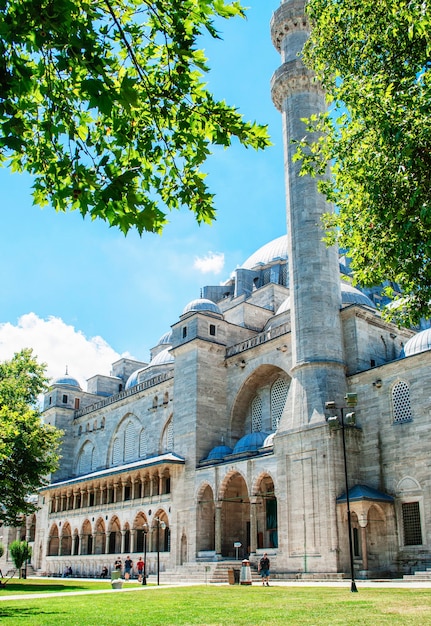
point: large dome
(272, 251)
(202, 304)
(417, 344)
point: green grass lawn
(223, 606)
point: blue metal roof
(363, 492)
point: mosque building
(223, 445)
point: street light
(145, 531)
(160, 525)
(346, 420)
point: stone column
(132, 539)
(218, 511)
(123, 541)
(253, 526)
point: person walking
(128, 565)
(140, 567)
(264, 569)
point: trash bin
(231, 576)
(23, 573)
(116, 580)
(245, 578)
(236, 575)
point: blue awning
(363, 492)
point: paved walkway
(127, 588)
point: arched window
(85, 460)
(129, 442)
(278, 399)
(117, 452)
(256, 414)
(401, 402)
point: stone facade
(221, 445)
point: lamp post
(145, 531)
(333, 421)
(160, 525)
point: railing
(267, 335)
(152, 382)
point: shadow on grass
(12, 588)
(28, 612)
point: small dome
(165, 339)
(417, 344)
(269, 441)
(218, 453)
(272, 251)
(67, 380)
(251, 442)
(352, 295)
(162, 358)
(202, 304)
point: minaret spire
(317, 346)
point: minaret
(317, 348)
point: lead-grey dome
(67, 381)
(275, 250)
(202, 304)
(352, 295)
(162, 359)
(165, 339)
(417, 344)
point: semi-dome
(352, 295)
(202, 304)
(165, 339)
(67, 381)
(418, 343)
(218, 453)
(272, 251)
(162, 358)
(251, 442)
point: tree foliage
(104, 103)
(28, 448)
(374, 60)
(20, 552)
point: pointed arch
(100, 536)
(205, 519)
(85, 463)
(235, 514)
(53, 541)
(167, 440)
(245, 408)
(66, 540)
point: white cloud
(212, 263)
(59, 345)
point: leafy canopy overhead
(28, 448)
(103, 102)
(374, 60)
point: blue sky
(81, 294)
